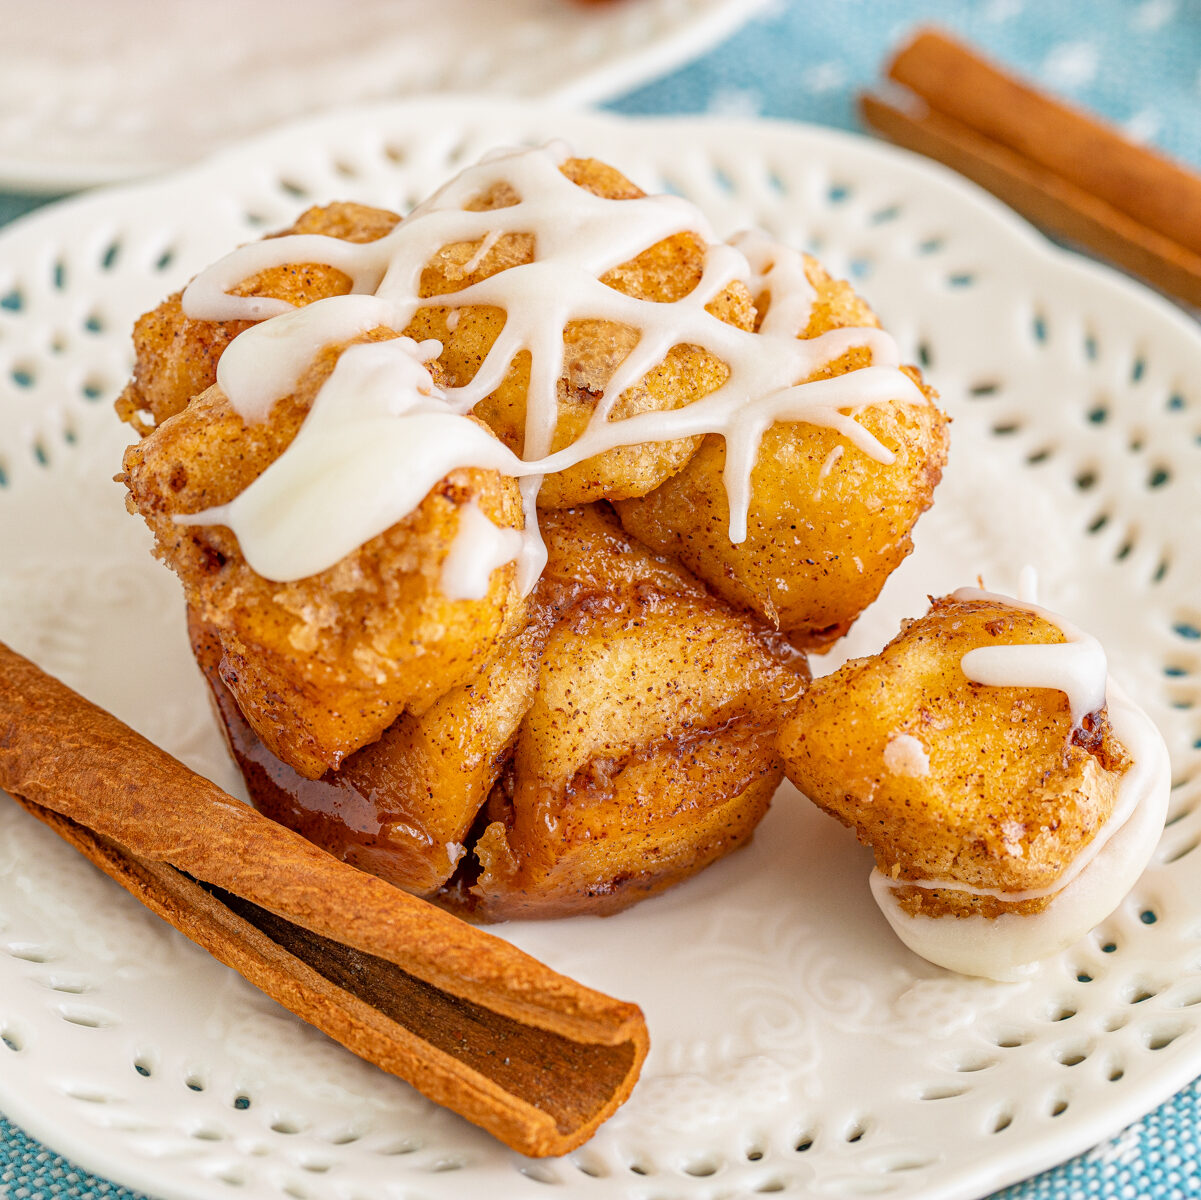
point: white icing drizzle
(255, 372)
(1076, 667)
(476, 260)
(1003, 947)
(778, 271)
(533, 554)
(905, 755)
(826, 467)
(578, 238)
(829, 461)
(210, 292)
(1095, 881)
(349, 475)
(478, 549)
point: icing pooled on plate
(1099, 876)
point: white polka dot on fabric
(735, 102)
(1002, 10)
(1153, 15)
(823, 77)
(1143, 125)
(1126, 1148)
(1071, 65)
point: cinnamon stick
(532, 1056)
(1061, 168)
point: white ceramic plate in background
(796, 1045)
(95, 93)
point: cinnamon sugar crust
(1012, 790)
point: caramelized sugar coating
(402, 807)
(175, 357)
(592, 350)
(617, 732)
(827, 523)
(648, 750)
(323, 665)
(1012, 791)
(621, 742)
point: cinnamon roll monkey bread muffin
(1010, 790)
(503, 528)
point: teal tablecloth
(1137, 62)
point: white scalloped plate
(95, 93)
(795, 1044)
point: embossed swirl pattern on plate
(796, 1046)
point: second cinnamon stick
(1064, 170)
(1094, 157)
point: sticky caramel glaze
(400, 808)
(328, 811)
(722, 790)
(648, 751)
(624, 741)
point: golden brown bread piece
(1013, 791)
(532, 1056)
(401, 807)
(827, 523)
(648, 751)
(592, 350)
(175, 357)
(323, 665)
(629, 731)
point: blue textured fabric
(28, 1171)
(12, 207)
(1137, 62)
